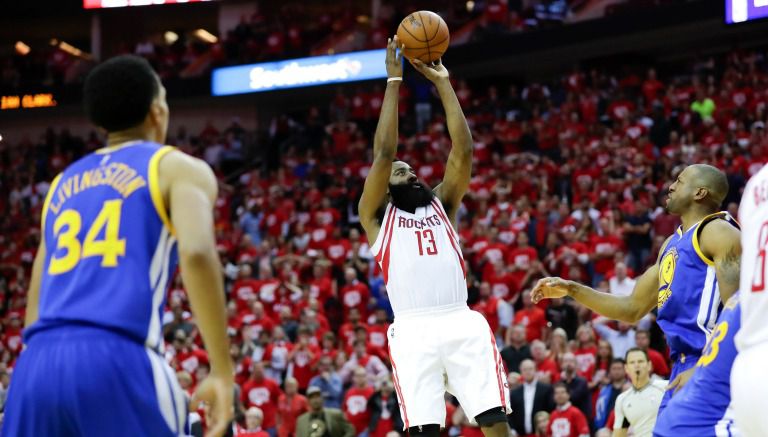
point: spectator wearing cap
(384, 410)
(329, 382)
(322, 421)
(290, 406)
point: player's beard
(410, 196)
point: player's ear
(701, 193)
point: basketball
(425, 36)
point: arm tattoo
(730, 268)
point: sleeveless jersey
(689, 297)
(753, 214)
(421, 260)
(110, 247)
(705, 400)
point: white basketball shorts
(450, 349)
(749, 391)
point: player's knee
(491, 417)
(431, 430)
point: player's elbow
(197, 253)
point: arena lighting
(22, 48)
(69, 48)
(297, 73)
(170, 37)
(96, 4)
(206, 36)
(470, 6)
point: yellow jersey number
(67, 226)
(713, 345)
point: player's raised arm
(722, 242)
(458, 170)
(191, 190)
(384, 145)
(628, 309)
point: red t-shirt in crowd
(288, 410)
(264, 394)
(355, 407)
(548, 367)
(355, 295)
(534, 319)
(568, 422)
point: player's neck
(138, 133)
(693, 216)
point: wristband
(394, 79)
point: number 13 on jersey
(428, 238)
(67, 227)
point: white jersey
(753, 215)
(421, 260)
(638, 408)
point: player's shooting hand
(435, 72)
(680, 380)
(217, 391)
(549, 288)
(394, 60)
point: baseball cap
(313, 390)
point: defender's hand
(435, 72)
(549, 288)
(394, 60)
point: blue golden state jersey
(110, 249)
(689, 297)
(702, 407)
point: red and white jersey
(753, 215)
(421, 260)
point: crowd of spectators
(569, 180)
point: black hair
(621, 361)
(636, 349)
(563, 385)
(119, 92)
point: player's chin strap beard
(410, 196)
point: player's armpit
(721, 242)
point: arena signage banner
(739, 11)
(297, 73)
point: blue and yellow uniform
(701, 407)
(689, 296)
(93, 363)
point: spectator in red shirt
(658, 361)
(303, 358)
(264, 393)
(355, 404)
(585, 352)
(521, 257)
(546, 368)
(566, 420)
(256, 321)
(354, 294)
(290, 406)
(532, 317)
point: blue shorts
(86, 381)
(682, 364)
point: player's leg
(417, 375)
(748, 391)
(476, 374)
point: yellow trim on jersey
(47, 201)
(695, 237)
(154, 186)
(679, 230)
(116, 147)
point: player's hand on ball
(216, 391)
(549, 288)
(435, 72)
(394, 60)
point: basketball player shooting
(111, 222)
(436, 342)
(696, 270)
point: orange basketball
(425, 36)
